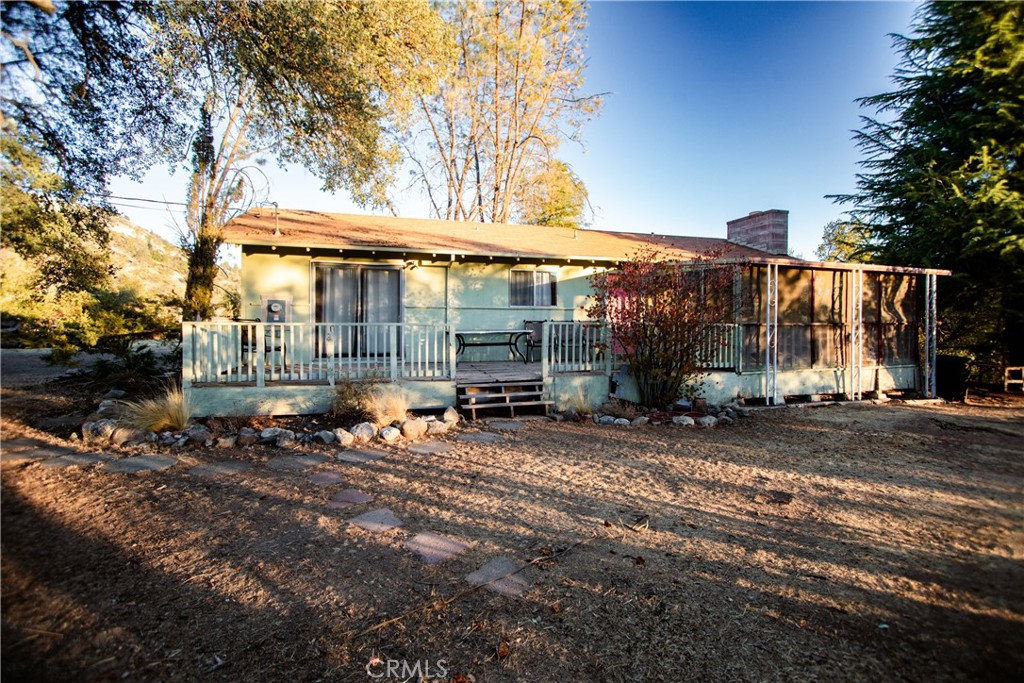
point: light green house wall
(466, 295)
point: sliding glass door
(357, 294)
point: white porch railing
(575, 347)
(233, 352)
(719, 348)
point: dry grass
(387, 403)
(172, 411)
(578, 403)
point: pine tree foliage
(942, 183)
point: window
(533, 288)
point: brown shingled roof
(414, 235)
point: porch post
(607, 332)
(930, 336)
(451, 350)
(260, 330)
(393, 350)
(856, 333)
(188, 371)
(771, 327)
(737, 334)
(545, 336)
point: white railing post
(545, 349)
(259, 330)
(451, 349)
(393, 350)
(188, 370)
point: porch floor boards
(497, 372)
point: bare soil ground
(840, 543)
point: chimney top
(764, 230)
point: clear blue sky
(715, 109)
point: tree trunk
(202, 271)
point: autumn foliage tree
(664, 316)
(503, 107)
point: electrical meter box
(276, 309)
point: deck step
(471, 409)
(507, 395)
(499, 398)
(507, 383)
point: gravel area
(840, 543)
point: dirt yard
(838, 543)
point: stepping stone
(75, 460)
(360, 456)
(21, 444)
(295, 463)
(25, 449)
(377, 521)
(434, 548)
(514, 585)
(480, 437)
(326, 478)
(20, 456)
(342, 499)
(139, 464)
(430, 448)
(505, 425)
(220, 469)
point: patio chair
(535, 338)
(271, 342)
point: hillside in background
(144, 293)
(145, 262)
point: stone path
(505, 425)
(296, 462)
(343, 499)
(480, 437)
(433, 548)
(377, 520)
(75, 460)
(139, 464)
(514, 585)
(430, 448)
(326, 478)
(27, 449)
(220, 469)
(430, 547)
(359, 456)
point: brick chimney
(764, 230)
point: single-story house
(483, 314)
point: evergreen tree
(942, 183)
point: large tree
(552, 194)
(846, 241)
(313, 82)
(942, 183)
(81, 100)
(502, 111)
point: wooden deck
(508, 371)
